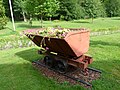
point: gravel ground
(77, 73)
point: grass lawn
(17, 72)
(99, 24)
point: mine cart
(65, 52)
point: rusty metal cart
(64, 52)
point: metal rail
(93, 69)
(68, 76)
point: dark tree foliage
(93, 8)
(17, 13)
(6, 6)
(112, 7)
(70, 9)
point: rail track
(70, 75)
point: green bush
(3, 22)
(3, 18)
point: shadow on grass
(28, 26)
(10, 32)
(80, 22)
(107, 66)
(29, 55)
(115, 18)
(26, 77)
(11, 29)
(101, 43)
(23, 74)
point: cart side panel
(35, 38)
(59, 46)
(56, 45)
(78, 41)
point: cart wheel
(61, 66)
(48, 61)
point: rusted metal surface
(81, 62)
(57, 45)
(78, 41)
(72, 47)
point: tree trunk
(41, 19)
(92, 19)
(50, 19)
(30, 21)
(24, 17)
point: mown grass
(17, 72)
(98, 24)
(106, 53)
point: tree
(3, 19)
(16, 10)
(40, 11)
(7, 8)
(19, 5)
(112, 7)
(93, 8)
(50, 7)
(70, 9)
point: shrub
(3, 18)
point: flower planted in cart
(53, 32)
